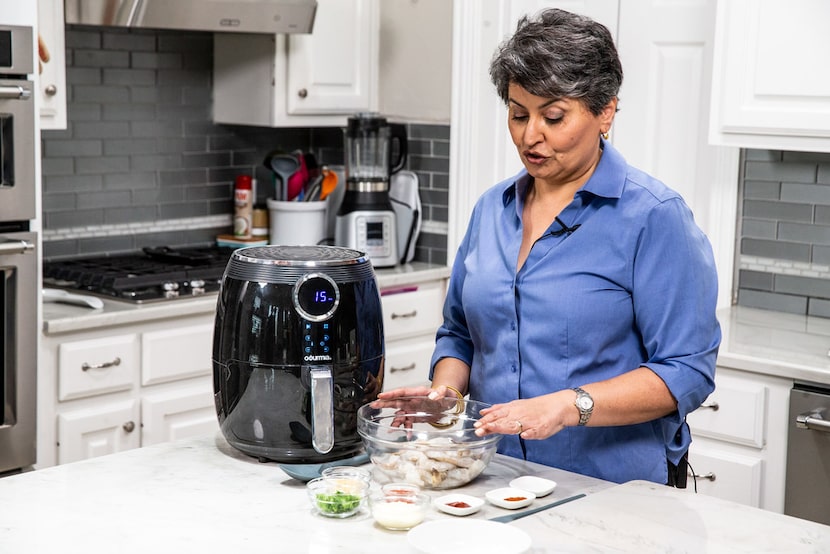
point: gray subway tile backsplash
(784, 253)
(142, 163)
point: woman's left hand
(531, 418)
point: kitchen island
(201, 495)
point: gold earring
(605, 135)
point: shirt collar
(608, 179)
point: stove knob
(171, 289)
(197, 286)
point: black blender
(366, 219)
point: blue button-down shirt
(634, 285)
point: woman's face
(557, 139)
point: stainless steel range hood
(237, 16)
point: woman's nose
(533, 132)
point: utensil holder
(297, 223)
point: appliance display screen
(5, 48)
(374, 231)
(317, 296)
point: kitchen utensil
(299, 179)
(64, 297)
(430, 429)
(468, 535)
(307, 472)
(297, 349)
(283, 166)
(313, 189)
(366, 219)
(513, 517)
(329, 183)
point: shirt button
(512, 325)
(513, 368)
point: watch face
(585, 402)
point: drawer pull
(709, 476)
(714, 406)
(413, 313)
(393, 369)
(129, 426)
(86, 367)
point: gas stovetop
(153, 275)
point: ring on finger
(521, 427)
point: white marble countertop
(201, 495)
(775, 343)
(65, 318)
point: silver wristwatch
(585, 404)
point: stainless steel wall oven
(18, 252)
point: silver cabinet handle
(714, 406)
(709, 476)
(129, 426)
(15, 92)
(413, 313)
(393, 369)
(86, 367)
(812, 421)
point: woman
(582, 298)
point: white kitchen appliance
(406, 201)
(366, 220)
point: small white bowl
(537, 485)
(510, 498)
(465, 504)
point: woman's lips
(534, 158)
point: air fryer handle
(397, 133)
(322, 409)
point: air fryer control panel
(316, 297)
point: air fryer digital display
(316, 297)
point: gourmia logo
(317, 358)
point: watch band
(585, 404)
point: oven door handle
(16, 247)
(812, 421)
(15, 92)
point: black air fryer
(297, 349)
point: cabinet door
(726, 475)
(407, 362)
(333, 70)
(98, 430)
(179, 353)
(178, 413)
(97, 366)
(52, 80)
(767, 90)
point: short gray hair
(558, 54)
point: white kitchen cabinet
(739, 439)
(115, 388)
(96, 430)
(769, 87)
(315, 79)
(411, 316)
(52, 78)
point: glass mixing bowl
(429, 443)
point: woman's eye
(553, 120)
(518, 117)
